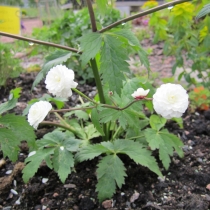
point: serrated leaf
(57, 57)
(90, 45)
(153, 138)
(165, 142)
(204, 11)
(138, 153)
(157, 122)
(58, 139)
(110, 172)
(34, 161)
(113, 62)
(144, 58)
(9, 144)
(63, 161)
(90, 132)
(107, 115)
(89, 152)
(95, 120)
(21, 128)
(133, 41)
(174, 141)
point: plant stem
(92, 16)
(57, 125)
(147, 12)
(135, 137)
(84, 96)
(73, 109)
(95, 67)
(103, 105)
(39, 42)
(98, 81)
(116, 132)
(64, 122)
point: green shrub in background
(186, 37)
(9, 66)
(69, 28)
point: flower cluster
(59, 82)
(170, 100)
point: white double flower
(60, 80)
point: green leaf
(21, 129)
(95, 120)
(110, 172)
(9, 144)
(13, 98)
(34, 161)
(113, 62)
(101, 6)
(144, 58)
(157, 122)
(179, 121)
(153, 138)
(90, 45)
(108, 114)
(174, 141)
(130, 37)
(165, 142)
(138, 153)
(63, 161)
(56, 58)
(57, 139)
(204, 11)
(89, 152)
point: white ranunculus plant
(170, 100)
(60, 80)
(140, 93)
(37, 112)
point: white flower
(170, 100)
(140, 93)
(59, 81)
(38, 112)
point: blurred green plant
(187, 38)
(9, 66)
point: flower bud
(140, 93)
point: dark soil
(184, 185)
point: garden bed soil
(186, 185)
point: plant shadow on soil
(184, 186)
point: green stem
(147, 12)
(135, 137)
(64, 122)
(39, 42)
(98, 81)
(73, 109)
(57, 125)
(116, 132)
(83, 95)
